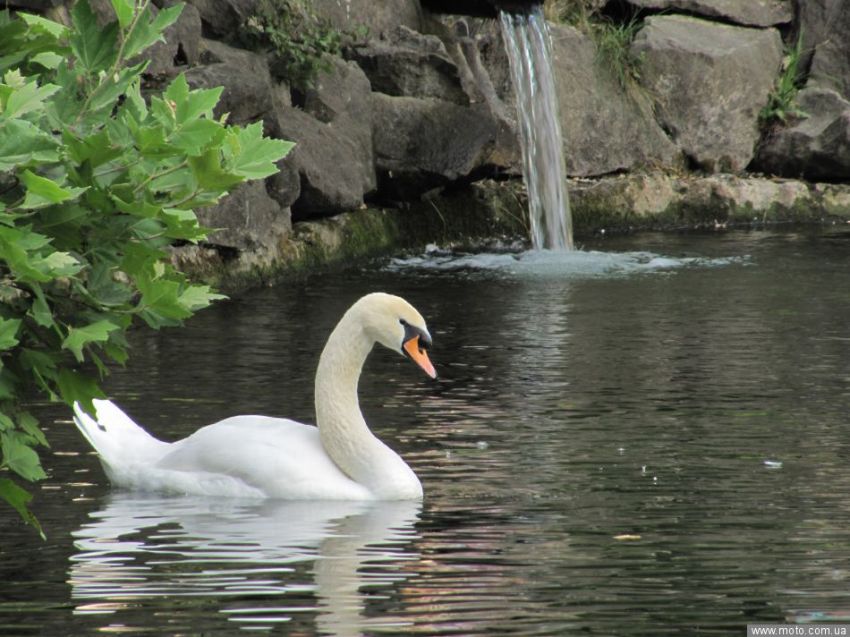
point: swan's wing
(279, 457)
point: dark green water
(650, 447)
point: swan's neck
(345, 435)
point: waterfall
(529, 49)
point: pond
(647, 441)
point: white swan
(260, 456)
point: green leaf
(94, 46)
(190, 105)
(123, 11)
(20, 457)
(43, 368)
(209, 174)
(42, 191)
(197, 297)
(58, 264)
(28, 98)
(28, 424)
(147, 30)
(162, 297)
(40, 310)
(9, 333)
(104, 289)
(48, 60)
(252, 155)
(38, 23)
(198, 135)
(79, 337)
(22, 142)
(77, 387)
(111, 89)
(18, 499)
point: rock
(662, 201)
(826, 48)
(182, 45)
(333, 162)
(333, 169)
(222, 17)
(755, 13)
(247, 219)
(421, 144)
(816, 147)
(248, 87)
(341, 96)
(376, 17)
(605, 129)
(710, 82)
(407, 63)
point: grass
(782, 101)
(613, 39)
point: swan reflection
(265, 561)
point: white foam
(573, 263)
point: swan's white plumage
(260, 456)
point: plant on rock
(95, 183)
(782, 101)
(297, 39)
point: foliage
(95, 183)
(613, 45)
(613, 38)
(296, 37)
(577, 13)
(782, 101)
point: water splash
(529, 50)
(574, 264)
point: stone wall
(420, 106)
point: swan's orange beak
(419, 356)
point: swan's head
(395, 324)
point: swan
(265, 457)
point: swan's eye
(403, 322)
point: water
(529, 50)
(631, 450)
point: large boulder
(333, 158)
(605, 129)
(754, 13)
(331, 166)
(248, 87)
(421, 144)
(376, 17)
(710, 81)
(222, 17)
(247, 220)
(824, 25)
(817, 146)
(181, 46)
(407, 63)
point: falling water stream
(529, 50)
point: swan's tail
(120, 442)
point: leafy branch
(96, 183)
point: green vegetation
(613, 45)
(95, 183)
(613, 39)
(577, 13)
(782, 101)
(296, 37)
